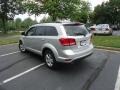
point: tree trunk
(54, 18)
(4, 21)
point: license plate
(83, 43)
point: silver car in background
(57, 42)
(103, 29)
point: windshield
(76, 30)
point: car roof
(57, 24)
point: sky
(95, 2)
(24, 16)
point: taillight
(67, 41)
(93, 29)
(107, 29)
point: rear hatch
(80, 34)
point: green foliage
(108, 12)
(18, 23)
(8, 9)
(81, 14)
(65, 9)
(11, 25)
(33, 7)
(46, 20)
(1, 25)
(75, 10)
(27, 22)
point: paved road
(80, 75)
(107, 78)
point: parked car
(57, 42)
(102, 29)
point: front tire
(50, 59)
(21, 47)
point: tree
(33, 7)
(61, 9)
(1, 25)
(46, 20)
(11, 25)
(18, 23)
(8, 9)
(115, 10)
(27, 22)
(108, 12)
(82, 14)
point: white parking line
(117, 85)
(9, 54)
(21, 74)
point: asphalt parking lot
(116, 33)
(19, 71)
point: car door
(29, 38)
(40, 38)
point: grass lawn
(10, 38)
(9, 34)
(107, 41)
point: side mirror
(23, 33)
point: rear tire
(50, 59)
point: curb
(108, 48)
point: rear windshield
(76, 30)
(102, 26)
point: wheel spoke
(22, 47)
(49, 60)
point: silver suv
(57, 42)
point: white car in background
(103, 29)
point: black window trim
(29, 30)
(44, 32)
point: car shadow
(77, 65)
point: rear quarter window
(51, 31)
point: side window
(50, 31)
(40, 30)
(31, 32)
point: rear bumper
(75, 56)
(103, 32)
